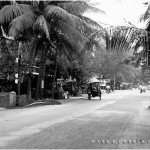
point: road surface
(121, 120)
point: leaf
(71, 34)
(91, 23)
(146, 15)
(79, 7)
(22, 23)
(54, 13)
(9, 12)
(43, 26)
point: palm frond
(92, 40)
(99, 34)
(146, 15)
(9, 12)
(56, 13)
(63, 62)
(64, 48)
(91, 23)
(68, 48)
(71, 34)
(33, 3)
(78, 7)
(41, 25)
(22, 24)
(4, 3)
(83, 27)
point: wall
(4, 100)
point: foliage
(8, 51)
(111, 64)
(145, 76)
(40, 21)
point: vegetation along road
(119, 120)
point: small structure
(12, 99)
(93, 80)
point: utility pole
(18, 75)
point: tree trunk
(40, 82)
(29, 97)
(56, 65)
(19, 69)
(31, 62)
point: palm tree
(146, 17)
(123, 38)
(38, 20)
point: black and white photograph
(75, 74)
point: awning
(93, 80)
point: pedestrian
(99, 92)
(73, 90)
(140, 87)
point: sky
(117, 11)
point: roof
(93, 80)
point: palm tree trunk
(29, 93)
(107, 42)
(40, 82)
(53, 88)
(19, 69)
(31, 62)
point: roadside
(72, 99)
(61, 101)
(120, 115)
(48, 101)
(2, 109)
(85, 97)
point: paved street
(121, 120)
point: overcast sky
(117, 11)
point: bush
(4, 100)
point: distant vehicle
(69, 87)
(107, 89)
(93, 88)
(142, 88)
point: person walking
(140, 87)
(99, 92)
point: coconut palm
(125, 38)
(38, 20)
(146, 17)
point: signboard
(16, 75)
(42, 84)
(16, 81)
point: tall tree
(38, 20)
